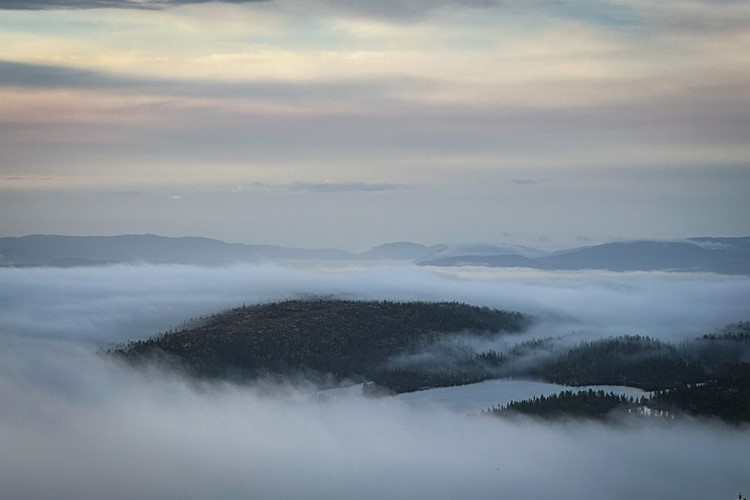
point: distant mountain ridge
(54, 250)
(486, 250)
(718, 255)
(700, 254)
(401, 250)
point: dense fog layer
(116, 303)
(74, 424)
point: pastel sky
(333, 123)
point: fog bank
(117, 303)
(80, 426)
(111, 433)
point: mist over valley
(92, 419)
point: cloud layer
(631, 117)
(76, 425)
(153, 438)
(101, 305)
(103, 4)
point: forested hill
(338, 337)
(725, 396)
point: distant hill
(725, 396)
(655, 255)
(484, 250)
(336, 338)
(719, 255)
(402, 250)
(481, 260)
(63, 251)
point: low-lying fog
(76, 425)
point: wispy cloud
(399, 8)
(103, 4)
(343, 187)
(122, 193)
(326, 187)
(45, 76)
(599, 11)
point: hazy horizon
(542, 244)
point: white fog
(75, 424)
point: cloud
(386, 9)
(19, 74)
(152, 436)
(343, 187)
(326, 187)
(84, 428)
(77, 425)
(103, 305)
(600, 11)
(525, 181)
(699, 17)
(104, 4)
(122, 193)
(44, 76)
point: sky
(331, 123)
